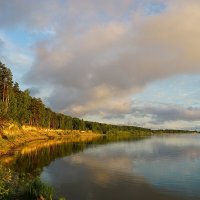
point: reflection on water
(30, 159)
(41, 153)
(159, 167)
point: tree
(5, 85)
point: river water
(155, 168)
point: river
(156, 167)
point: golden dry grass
(14, 137)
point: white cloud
(101, 53)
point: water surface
(159, 167)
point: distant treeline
(19, 106)
(173, 131)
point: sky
(132, 62)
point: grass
(23, 187)
(13, 136)
(7, 181)
(36, 189)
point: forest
(21, 107)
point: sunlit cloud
(96, 55)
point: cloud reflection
(170, 163)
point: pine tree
(5, 85)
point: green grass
(23, 187)
(37, 189)
(6, 183)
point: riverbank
(13, 136)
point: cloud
(33, 14)
(117, 59)
(40, 15)
(1, 43)
(104, 52)
(157, 116)
(34, 91)
(167, 113)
